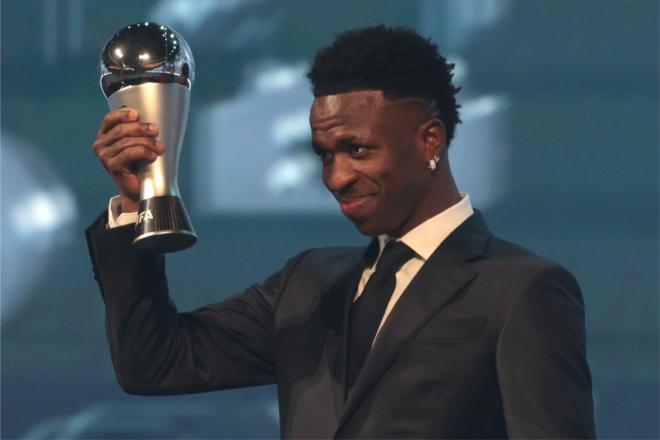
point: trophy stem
(163, 225)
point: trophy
(149, 67)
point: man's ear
(432, 138)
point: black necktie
(368, 310)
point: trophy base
(163, 226)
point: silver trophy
(149, 67)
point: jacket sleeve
(541, 360)
(155, 349)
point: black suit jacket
(488, 341)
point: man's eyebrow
(340, 140)
(346, 138)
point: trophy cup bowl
(149, 67)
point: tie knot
(394, 255)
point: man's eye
(358, 150)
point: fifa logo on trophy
(149, 67)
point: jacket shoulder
(511, 266)
(516, 256)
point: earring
(433, 163)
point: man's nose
(339, 175)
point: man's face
(373, 158)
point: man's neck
(443, 194)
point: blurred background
(559, 149)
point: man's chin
(369, 222)
(366, 227)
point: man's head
(384, 107)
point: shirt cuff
(117, 218)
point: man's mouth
(350, 206)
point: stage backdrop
(559, 149)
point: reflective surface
(145, 52)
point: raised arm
(155, 349)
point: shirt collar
(425, 238)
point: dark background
(573, 93)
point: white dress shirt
(424, 239)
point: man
(437, 329)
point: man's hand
(123, 144)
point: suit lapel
(441, 277)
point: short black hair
(397, 61)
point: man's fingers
(115, 117)
(122, 131)
(127, 160)
(128, 142)
(131, 129)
